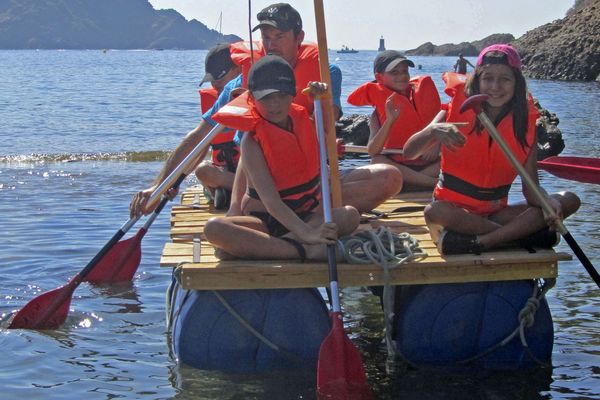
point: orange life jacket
(208, 97)
(305, 70)
(478, 176)
(417, 110)
(225, 152)
(292, 157)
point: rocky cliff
(99, 24)
(566, 49)
(468, 49)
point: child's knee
(388, 180)
(202, 171)
(352, 217)
(570, 202)
(433, 212)
(214, 228)
(347, 220)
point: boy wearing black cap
(217, 175)
(219, 68)
(281, 216)
(403, 106)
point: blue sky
(403, 24)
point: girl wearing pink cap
(470, 212)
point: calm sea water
(81, 131)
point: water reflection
(191, 383)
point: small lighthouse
(381, 44)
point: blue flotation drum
(234, 331)
(461, 326)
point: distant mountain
(468, 49)
(100, 24)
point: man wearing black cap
(281, 33)
(218, 67)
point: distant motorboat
(346, 49)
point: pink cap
(512, 56)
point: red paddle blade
(581, 169)
(120, 263)
(47, 311)
(340, 372)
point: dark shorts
(274, 227)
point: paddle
(475, 103)
(340, 372)
(351, 148)
(50, 309)
(121, 262)
(581, 169)
(363, 149)
(336, 189)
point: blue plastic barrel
(205, 334)
(444, 325)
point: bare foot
(223, 255)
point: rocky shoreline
(354, 129)
(565, 49)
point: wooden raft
(199, 269)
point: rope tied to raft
(526, 319)
(388, 250)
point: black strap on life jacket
(305, 203)
(468, 189)
(226, 152)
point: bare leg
(213, 176)
(366, 187)
(512, 223)
(247, 237)
(444, 214)
(520, 220)
(426, 178)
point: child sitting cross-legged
(470, 212)
(281, 212)
(403, 106)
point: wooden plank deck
(198, 268)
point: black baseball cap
(217, 63)
(271, 74)
(281, 16)
(388, 59)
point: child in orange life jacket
(218, 173)
(403, 106)
(470, 212)
(281, 213)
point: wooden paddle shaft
(489, 125)
(363, 149)
(336, 190)
(587, 264)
